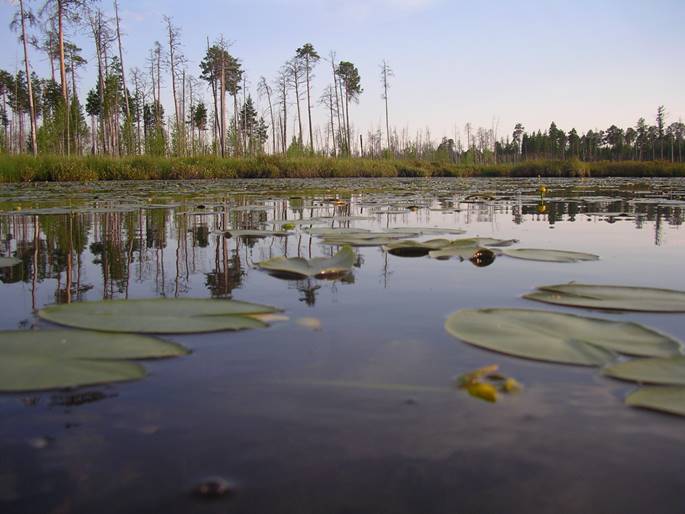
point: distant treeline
(59, 168)
(215, 110)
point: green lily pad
(622, 298)
(426, 231)
(670, 371)
(536, 254)
(158, 315)
(462, 252)
(327, 231)
(415, 248)
(465, 249)
(256, 233)
(82, 344)
(664, 399)
(8, 262)
(37, 373)
(321, 267)
(358, 242)
(32, 360)
(556, 337)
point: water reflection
(167, 247)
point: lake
(349, 405)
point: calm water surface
(362, 415)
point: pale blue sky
(583, 64)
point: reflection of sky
(315, 420)
(636, 247)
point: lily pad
(415, 248)
(664, 399)
(321, 267)
(54, 359)
(556, 337)
(624, 298)
(670, 371)
(256, 233)
(8, 262)
(327, 231)
(536, 254)
(465, 249)
(36, 373)
(428, 230)
(358, 242)
(158, 315)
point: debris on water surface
(485, 383)
(213, 487)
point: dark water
(361, 416)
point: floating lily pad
(256, 233)
(556, 337)
(321, 267)
(327, 231)
(415, 248)
(465, 249)
(664, 399)
(670, 371)
(51, 359)
(159, 315)
(8, 262)
(536, 254)
(428, 230)
(623, 298)
(358, 242)
(250, 208)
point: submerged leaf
(158, 315)
(669, 371)
(556, 337)
(321, 267)
(535, 254)
(310, 323)
(664, 399)
(623, 298)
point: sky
(585, 64)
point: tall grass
(57, 168)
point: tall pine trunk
(32, 109)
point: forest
(123, 115)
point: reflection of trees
(308, 288)
(228, 273)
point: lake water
(361, 415)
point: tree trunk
(330, 105)
(121, 61)
(273, 124)
(32, 109)
(172, 61)
(62, 67)
(297, 100)
(347, 115)
(309, 108)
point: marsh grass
(57, 168)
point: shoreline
(27, 169)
